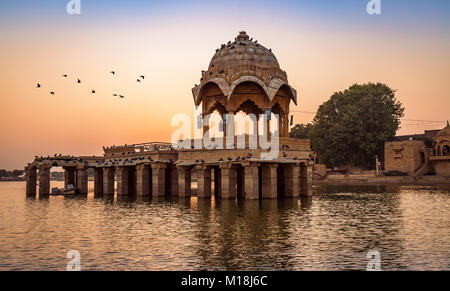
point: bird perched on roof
(220, 160)
(285, 155)
(230, 159)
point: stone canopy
(244, 61)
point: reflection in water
(334, 230)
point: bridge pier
(251, 181)
(82, 180)
(98, 182)
(184, 181)
(143, 180)
(203, 181)
(228, 181)
(31, 175)
(269, 181)
(108, 181)
(159, 179)
(44, 180)
(291, 180)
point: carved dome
(444, 133)
(243, 51)
(244, 60)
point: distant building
(441, 152)
(410, 156)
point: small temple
(243, 78)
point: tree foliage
(352, 126)
(300, 131)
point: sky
(324, 46)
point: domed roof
(244, 50)
(244, 60)
(444, 132)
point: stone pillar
(230, 131)
(224, 127)
(291, 180)
(69, 176)
(228, 181)
(122, 181)
(284, 126)
(159, 179)
(184, 181)
(31, 180)
(268, 120)
(143, 180)
(108, 181)
(269, 181)
(98, 182)
(203, 181)
(82, 180)
(306, 175)
(251, 178)
(44, 180)
(173, 181)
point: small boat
(70, 190)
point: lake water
(334, 230)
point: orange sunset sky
(324, 46)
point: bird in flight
(79, 81)
(38, 85)
(121, 96)
(112, 72)
(65, 76)
(52, 93)
(115, 95)
(143, 77)
(93, 91)
(138, 80)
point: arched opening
(446, 150)
(210, 94)
(247, 91)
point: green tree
(352, 127)
(300, 131)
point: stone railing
(138, 148)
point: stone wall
(404, 156)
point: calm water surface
(409, 226)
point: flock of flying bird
(139, 80)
